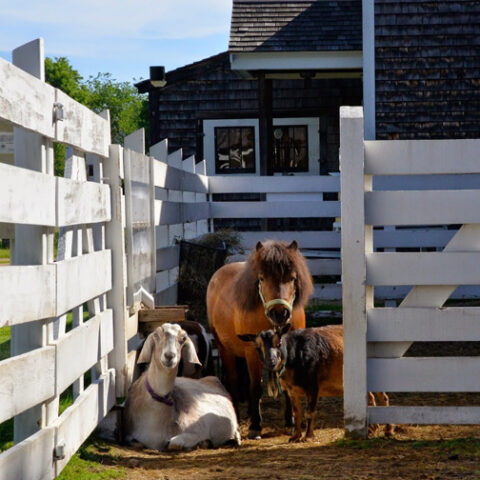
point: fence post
(356, 240)
(115, 241)
(33, 245)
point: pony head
(276, 275)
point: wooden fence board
(27, 380)
(274, 209)
(83, 278)
(81, 127)
(168, 296)
(25, 100)
(327, 291)
(416, 157)
(27, 293)
(80, 419)
(86, 345)
(31, 459)
(404, 238)
(168, 257)
(276, 184)
(423, 268)
(304, 239)
(425, 415)
(325, 266)
(171, 213)
(434, 207)
(33, 203)
(82, 202)
(423, 374)
(423, 324)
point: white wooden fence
(377, 338)
(36, 292)
(118, 232)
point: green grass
(4, 343)
(4, 254)
(87, 464)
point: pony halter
(275, 301)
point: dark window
(290, 148)
(234, 150)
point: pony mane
(277, 261)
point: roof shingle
(295, 25)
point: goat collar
(166, 399)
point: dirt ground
(415, 452)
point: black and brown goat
(308, 363)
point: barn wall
(210, 90)
(427, 69)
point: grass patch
(6, 435)
(4, 342)
(320, 307)
(88, 464)
(4, 254)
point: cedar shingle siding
(211, 90)
(427, 69)
(295, 25)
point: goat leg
(288, 411)
(297, 415)
(184, 441)
(311, 405)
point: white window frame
(312, 123)
(209, 141)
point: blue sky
(122, 37)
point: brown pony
(269, 289)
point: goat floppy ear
(147, 350)
(189, 354)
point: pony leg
(372, 428)
(384, 401)
(255, 373)
(229, 364)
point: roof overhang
(297, 61)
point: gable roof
(295, 25)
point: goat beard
(272, 386)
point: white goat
(164, 411)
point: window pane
(222, 149)
(290, 149)
(234, 149)
(248, 148)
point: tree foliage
(128, 108)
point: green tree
(128, 109)
(126, 105)
(60, 74)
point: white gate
(377, 338)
